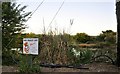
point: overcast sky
(90, 16)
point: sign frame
(30, 46)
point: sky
(89, 16)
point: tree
(82, 37)
(118, 31)
(13, 18)
(108, 36)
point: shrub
(83, 57)
(26, 66)
(7, 58)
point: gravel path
(94, 67)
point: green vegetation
(80, 57)
(13, 18)
(58, 48)
(27, 65)
(82, 37)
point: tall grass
(54, 46)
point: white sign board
(30, 46)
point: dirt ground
(93, 67)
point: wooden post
(118, 32)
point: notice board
(30, 46)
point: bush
(83, 57)
(7, 58)
(26, 66)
